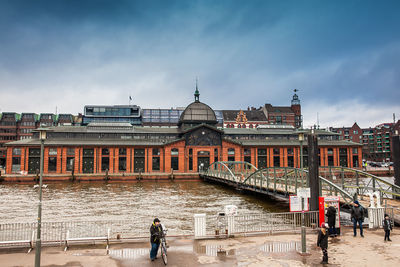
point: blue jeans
(332, 230)
(154, 250)
(355, 226)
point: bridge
(280, 182)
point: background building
(194, 142)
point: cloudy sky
(343, 55)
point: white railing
(57, 233)
(253, 223)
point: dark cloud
(246, 53)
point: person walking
(331, 214)
(155, 233)
(357, 216)
(387, 226)
(322, 242)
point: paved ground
(275, 250)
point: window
(156, 152)
(231, 154)
(174, 152)
(52, 164)
(52, 151)
(70, 163)
(105, 151)
(17, 152)
(16, 164)
(174, 159)
(156, 159)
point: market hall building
(124, 151)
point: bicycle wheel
(164, 254)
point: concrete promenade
(268, 250)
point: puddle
(280, 247)
(128, 253)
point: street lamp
(303, 229)
(42, 137)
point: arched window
(231, 154)
(251, 126)
(174, 159)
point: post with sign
(298, 203)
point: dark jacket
(155, 233)
(322, 241)
(357, 213)
(331, 214)
(387, 224)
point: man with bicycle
(155, 233)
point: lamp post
(42, 137)
(303, 228)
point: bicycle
(163, 247)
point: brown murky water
(174, 201)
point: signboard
(304, 192)
(295, 203)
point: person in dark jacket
(357, 216)
(387, 226)
(331, 214)
(322, 242)
(155, 233)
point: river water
(175, 202)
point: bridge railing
(358, 182)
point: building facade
(376, 141)
(121, 148)
(14, 126)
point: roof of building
(291, 142)
(278, 109)
(198, 112)
(251, 115)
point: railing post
(286, 189)
(267, 179)
(342, 178)
(357, 183)
(231, 224)
(274, 179)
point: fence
(206, 226)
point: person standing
(387, 226)
(357, 216)
(322, 242)
(155, 233)
(331, 214)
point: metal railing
(260, 223)
(342, 181)
(55, 233)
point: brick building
(286, 115)
(121, 148)
(376, 141)
(14, 126)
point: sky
(343, 56)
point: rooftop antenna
(318, 120)
(130, 99)
(394, 118)
(56, 110)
